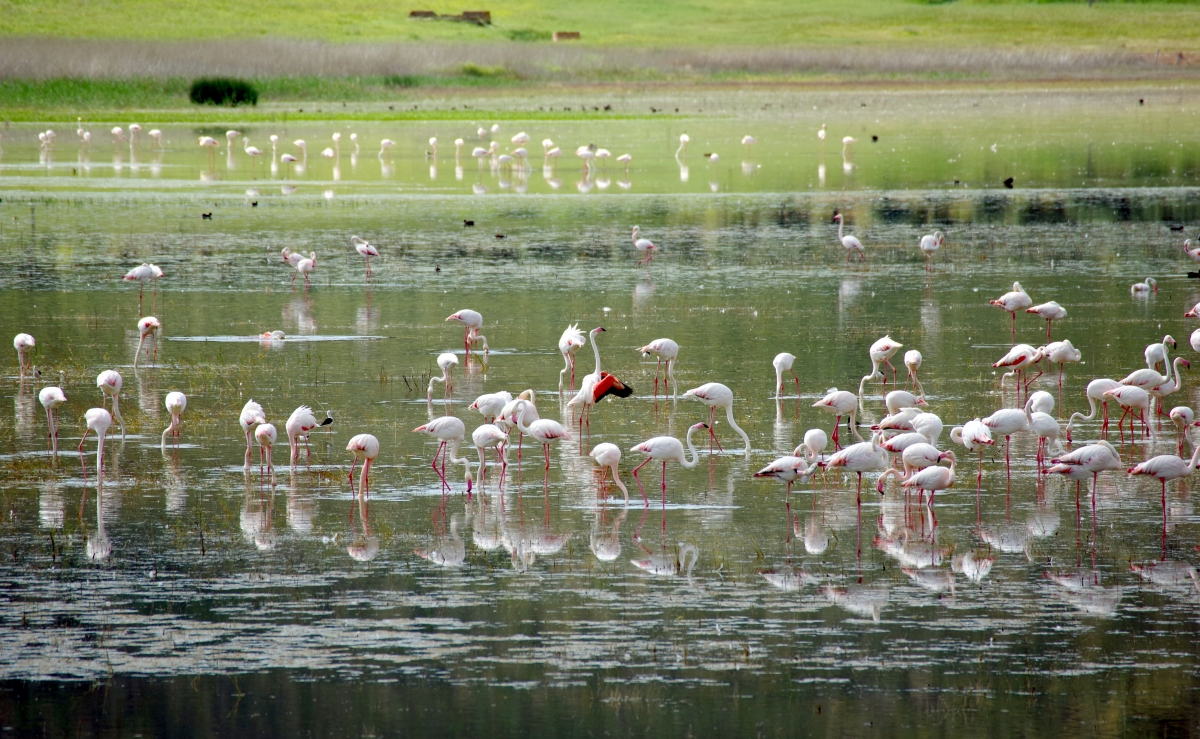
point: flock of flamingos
(903, 445)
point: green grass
(1144, 26)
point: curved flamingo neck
(596, 351)
(733, 425)
(841, 224)
(692, 450)
(1176, 363)
(362, 480)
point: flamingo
(915, 452)
(683, 142)
(98, 420)
(783, 362)
(251, 416)
(1012, 302)
(156, 134)
(142, 274)
(23, 343)
(1166, 467)
(544, 430)
(933, 478)
(299, 425)
(51, 398)
(265, 434)
(646, 246)
(608, 456)
(1148, 378)
(666, 449)
(715, 395)
(433, 147)
(490, 405)
(1047, 430)
(881, 352)
(821, 133)
(912, 361)
(851, 243)
(930, 243)
(458, 147)
(1171, 386)
(364, 249)
(625, 159)
(1006, 422)
(1193, 254)
(176, 402)
(148, 326)
(788, 470)
(472, 322)
(898, 400)
(1018, 359)
(1130, 397)
(1061, 352)
(1050, 312)
(1157, 352)
(486, 436)
(211, 144)
(974, 435)
(929, 424)
(840, 403)
(1040, 402)
(815, 441)
(287, 160)
(291, 257)
(569, 345)
(668, 351)
(1183, 418)
(449, 431)
(447, 362)
(385, 148)
(109, 382)
(305, 267)
(865, 456)
(1145, 287)
(1090, 459)
(507, 418)
(364, 446)
(596, 385)
(1096, 393)
(251, 151)
(1194, 340)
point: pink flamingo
(1049, 312)
(450, 432)
(666, 449)
(783, 362)
(715, 395)
(110, 382)
(365, 249)
(850, 243)
(1012, 302)
(668, 351)
(569, 345)
(251, 416)
(148, 326)
(363, 446)
(1167, 467)
(840, 403)
(299, 425)
(51, 398)
(266, 434)
(23, 343)
(176, 402)
(472, 322)
(1096, 393)
(608, 456)
(544, 430)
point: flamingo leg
(572, 373)
(440, 473)
(1014, 327)
(1164, 510)
(664, 497)
(635, 477)
(797, 378)
(657, 368)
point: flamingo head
(701, 425)
(921, 401)
(837, 217)
(420, 428)
(597, 330)
(947, 455)
(1171, 339)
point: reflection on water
(186, 568)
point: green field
(1139, 26)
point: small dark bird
(437, 269)
(874, 138)
(254, 204)
(653, 109)
(608, 107)
(1141, 101)
(467, 224)
(206, 216)
(1177, 227)
(1008, 183)
(328, 419)
(499, 236)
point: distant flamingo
(306, 266)
(666, 449)
(142, 274)
(715, 395)
(608, 456)
(840, 403)
(1006, 422)
(1193, 254)
(975, 436)
(98, 420)
(287, 160)
(783, 362)
(1049, 312)
(625, 160)
(646, 246)
(366, 447)
(1017, 360)
(447, 362)
(666, 351)
(864, 456)
(299, 425)
(472, 323)
(449, 431)
(788, 470)
(930, 243)
(1167, 467)
(489, 435)
(851, 243)
(265, 434)
(109, 382)
(1012, 302)
(1157, 353)
(1184, 419)
(1060, 353)
(683, 142)
(51, 398)
(364, 249)
(251, 416)
(544, 430)
(1131, 397)
(211, 144)
(569, 345)
(913, 361)
(148, 326)
(23, 343)
(176, 402)
(1096, 393)
(1144, 287)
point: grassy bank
(1145, 26)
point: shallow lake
(184, 595)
